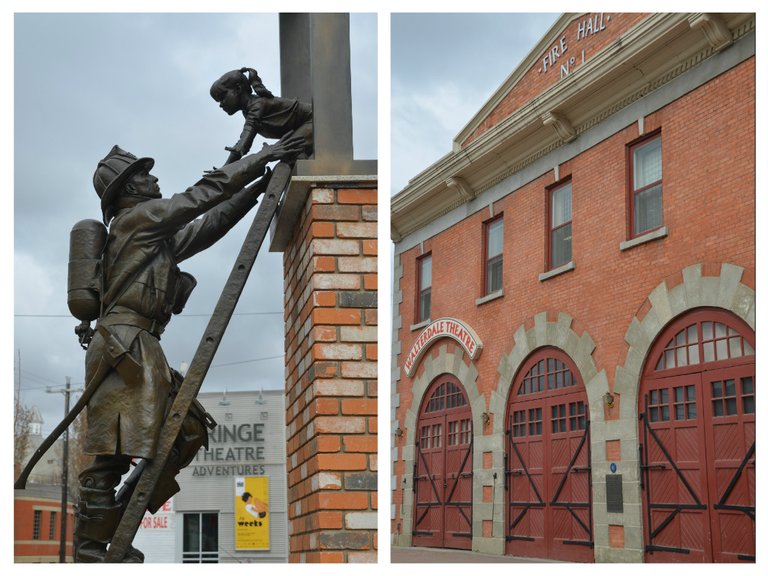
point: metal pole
(64, 483)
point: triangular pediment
(571, 42)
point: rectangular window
(424, 303)
(52, 527)
(685, 402)
(534, 421)
(36, 522)
(494, 255)
(748, 395)
(519, 423)
(560, 226)
(645, 182)
(558, 418)
(724, 398)
(659, 405)
(201, 538)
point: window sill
(420, 325)
(489, 297)
(647, 237)
(557, 271)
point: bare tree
(22, 417)
(21, 429)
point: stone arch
(723, 287)
(724, 290)
(560, 335)
(445, 362)
(579, 348)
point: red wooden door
(675, 476)
(697, 430)
(547, 462)
(730, 395)
(443, 468)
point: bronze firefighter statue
(128, 380)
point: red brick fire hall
(574, 309)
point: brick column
(331, 386)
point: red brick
(344, 500)
(370, 247)
(357, 196)
(323, 264)
(323, 229)
(329, 520)
(616, 536)
(371, 282)
(350, 406)
(324, 298)
(326, 405)
(336, 316)
(613, 450)
(328, 461)
(355, 443)
(327, 443)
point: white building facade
(198, 524)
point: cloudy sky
(444, 68)
(84, 82)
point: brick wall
(331, 388)
(45, 549)
(708, 143)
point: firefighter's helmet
(113, 172)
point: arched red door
(443, 468)
(697, 434)
(548, 477)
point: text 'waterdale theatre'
(574, 308)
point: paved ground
(444, 555)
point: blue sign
(613, 467)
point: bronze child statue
(141, 287)
(265, 114)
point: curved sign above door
(443, 328)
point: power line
(41, 379)
(181, 316)
(247, 361)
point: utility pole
(64, 474)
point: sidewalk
(448, 556)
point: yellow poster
(252, 513)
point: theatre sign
(443, 328)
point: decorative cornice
(715, 30)
(561, 124)
(652, 53)
(464, 190)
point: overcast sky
(84, 82)
(444, 68)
